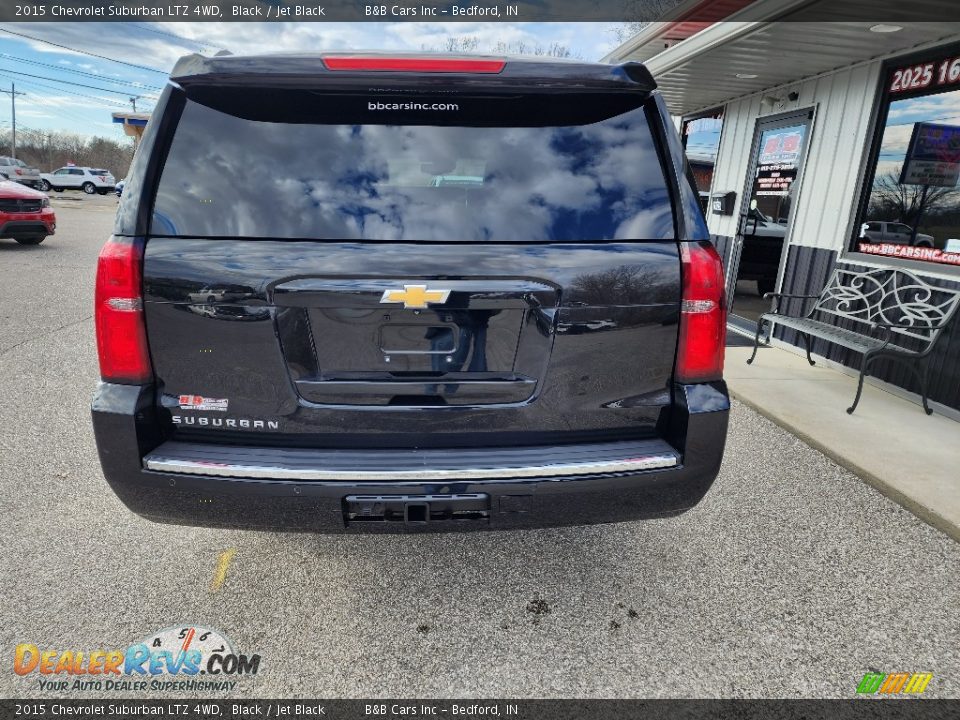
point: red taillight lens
(403, 64)
(19, 171)
(703, 315)
(118, 313)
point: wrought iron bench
(885, 313)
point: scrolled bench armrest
(778, 296)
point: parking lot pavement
(63, 264)
(792, 578)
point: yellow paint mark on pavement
(223, 564)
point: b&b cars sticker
(198, 402)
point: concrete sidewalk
(889, 441)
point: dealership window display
(911, 208)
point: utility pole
(133, 101)
(12, 92)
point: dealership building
(807, 123)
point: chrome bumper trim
(158, 463)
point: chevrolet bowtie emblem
(415, 296)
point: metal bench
(887, 313)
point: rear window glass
(228, 176)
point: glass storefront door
(775, 161)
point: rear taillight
(118, 313)
(19, 171)
(408, 64)
(703, 316)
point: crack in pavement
(46, 334)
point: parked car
(377, 349)
(25, 214)
(90, 180)
(762, 248)
(18, 171)
(895, 233)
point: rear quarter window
(381, 178)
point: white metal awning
(772, 43)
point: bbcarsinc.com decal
(188, 658)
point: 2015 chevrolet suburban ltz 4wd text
(472, 292)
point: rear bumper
(126, 434)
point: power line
(103, 101)
(198, 43)
(67, 82)
(58, 112)
(84, 52)
(13, 117)
(914, 122)
(60, 68)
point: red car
(25, 214)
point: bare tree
(907, 203)
(624, 31)
(645, 12)
(464, 44)
(50, 150)
(621, 285)
(472, 44)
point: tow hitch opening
(416, 509)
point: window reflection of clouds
(195, 263)
(231, 177)
(943, 108)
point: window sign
(932, 75)
(933, 157)
(778, 161)
(912, 208)
(781, 148)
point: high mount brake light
(118, 314)
(703, 315)
(403, 64)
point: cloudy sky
(67, 87)
(943, 109)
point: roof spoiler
(422, 71)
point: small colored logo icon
(894, 683)
(416, 296)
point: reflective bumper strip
(193, 467)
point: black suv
(471, 292)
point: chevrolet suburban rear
(472, 292)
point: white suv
(90, 180)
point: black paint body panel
(542, 343)
(597, 331)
